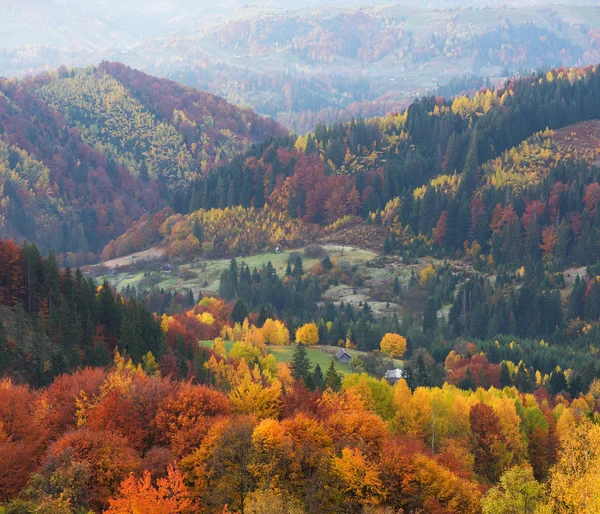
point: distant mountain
(304, 66)
(304, 62)
(83, 153)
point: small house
(166, 268)
(343, 356)
(393, 375)
(278, 249)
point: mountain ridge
(107, 180)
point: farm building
(393, 375)
(343, 356)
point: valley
(201, 311)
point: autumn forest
(202, 311)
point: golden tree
(393, 345)
(307, 334)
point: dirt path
(151, 254)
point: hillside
(431, 178)
(482, 211)
(304, 66)
(503, 185)
(87, 152)
(207, 383)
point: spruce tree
(240, 311)
(332, 378)
(505, 379)
(557, 382)
(298, 269)
(317, 378)
(198, 232)
(430, 316)
(326, 263)
(468, 383)
(387, 245)
(300, 364)
(397, 286)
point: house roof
(341, 353)
(394, 373)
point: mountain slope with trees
(445, 177)
(87, 152)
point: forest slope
(84, 153)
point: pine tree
(311, 146)
(240, 311)
(198, 232)
(592, 304)
(557, 382)
(332, 378)
(298, 269)
(397, 286)
(430, 316)
(326, 263)
(266, 312)
(468, 383)
(505, 379)
(231, 195)
(130, 340)
(317, 377)
(387, 245)
(300, 364)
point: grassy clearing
(318, 355)
(321, 355)
(209, 270)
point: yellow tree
(575, 479)
(252, 398)
(518, 491)
(307, 334)
(393, 344)
(360, 478)
(275, 332)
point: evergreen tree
(240, 311)
(557, 382)
(298, 269)
(317, 378)
(300, 364)
(259, 192)
(467, 383)
(266, 312)
(505, 379)
(592, 303)
(387, 245)
(326, 263)
(332, 378)
(397, 286)
(198, 232)
(430, 316)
